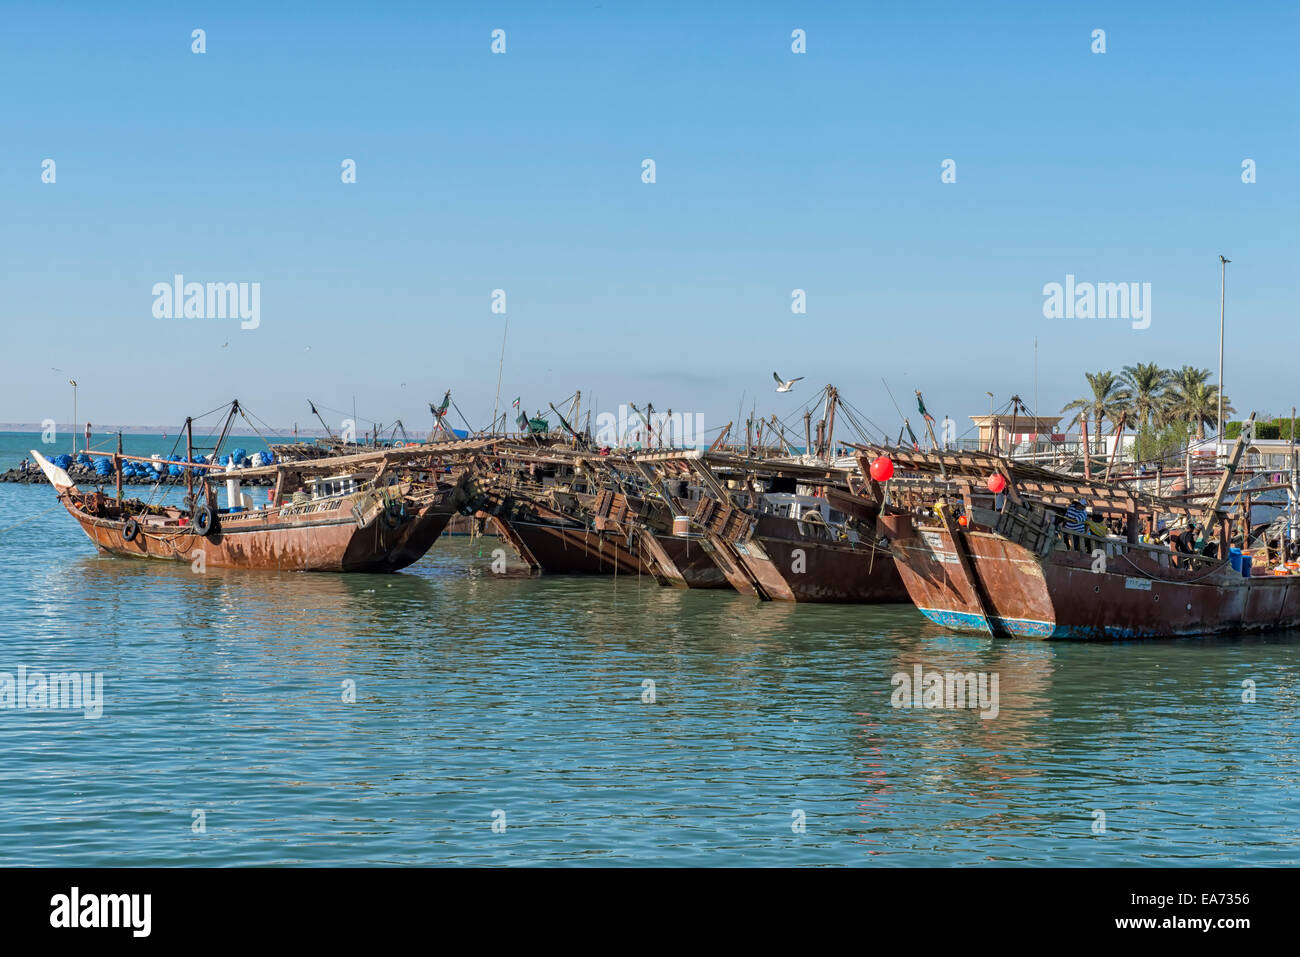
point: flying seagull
(785, 385)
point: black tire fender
(204, 520)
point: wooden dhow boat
(1004, 564)
(372, 512)
(783, 530)
(539, 499)
(647, 509)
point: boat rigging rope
(855, 414)
(1170, 581)
(168, 539)
(253, 427)
(810, 405)
(9, 528)
(346, 415)
(265, 425)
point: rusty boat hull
(288, 539)
(784, 559)
(674, 561)
(791, 567)
(728, 562)
(562, 549)
(680, 561)
(983, 582)
(553, 543)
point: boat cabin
(790, 505)
(334, 486)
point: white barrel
(232, 488)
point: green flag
(920, 407)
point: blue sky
(522, 172)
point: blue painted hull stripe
(1026, 627)
(1031, 628)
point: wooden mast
(929, 427)
(1119, 431)
(189, 457)
(780, 433)
(1229, 471)
(1011, 436)
(721, 439)
(832, 400)
(1087, 458)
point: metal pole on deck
(1290, 519)
(500, 368)
(1223, 286)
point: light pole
(1223, 287)
(992, 433)
(73, 383)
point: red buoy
(997, 482)
(882, 469)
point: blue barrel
(1234, 556)
(1246, 562)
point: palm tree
(1182, 382)
(1192, 398)
(1145, 383)
(1108, 401)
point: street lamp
(1223, 285)
(73, 383)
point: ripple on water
(224, 694)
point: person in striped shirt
(1076, 521)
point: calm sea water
(481, 700)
